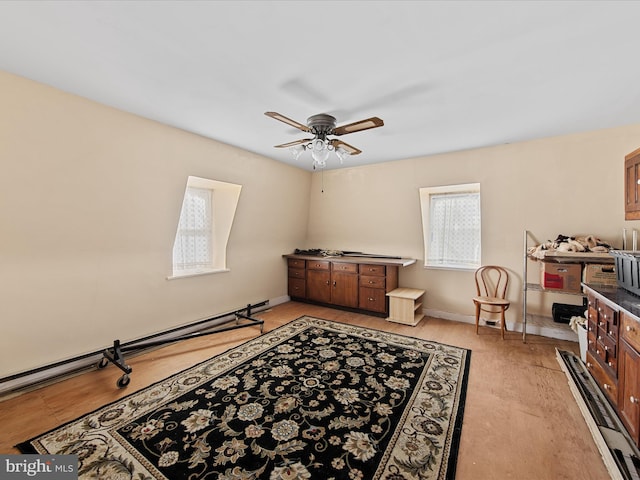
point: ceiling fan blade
(351, 150)
(297, 142)
(288, 121)
(372, 122)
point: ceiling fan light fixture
(342, 154)
(319, 145)
(320, 153)
(296, 151)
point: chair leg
(503, 326)
(477, 316)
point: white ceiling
(444, 76)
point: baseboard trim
(536, 325)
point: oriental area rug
(313, 399)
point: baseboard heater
(115, 354)
(619, 452)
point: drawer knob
(589, 364)
(605, 316)
(633, 399)
(598, 351)
(611, 364)
(610, 333)
(371, 299)
(629, 329)
(607, 386)
(606, 348)
(600, 323)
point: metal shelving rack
(560, 257)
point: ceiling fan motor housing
(321, 124)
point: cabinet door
(628, 377)
(344, 289)
(318, 285)
(631, 186)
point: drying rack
(115, 354)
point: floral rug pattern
(313, 399)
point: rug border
(26, 446)
(457, 428)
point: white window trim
(425, 194)
(197, 273)
(225, 202)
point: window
(451, 226)
(207, 213)
(193, 247)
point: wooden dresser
(352, 282)
(613, 357)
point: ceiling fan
(321, 126)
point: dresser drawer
(318, 265)
(631, 331)
(375, 270)
(297, 287)
(591, 342)
(600, 351)
(296, 273)
(602, 378)
(373, 299)
(606, 351)
(608, 319)
(372, 282)
(345, 267)
(609, 346)
(296, 263)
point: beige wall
(90, 197)
(89, 202)
(571, 185)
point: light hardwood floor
(521, 420)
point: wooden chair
(491, 288)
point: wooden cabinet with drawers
(373, 286)
(352, 283)
(632, 185)
(613, 358)
(602, 344)
(297, 284)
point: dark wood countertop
(398, 262)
